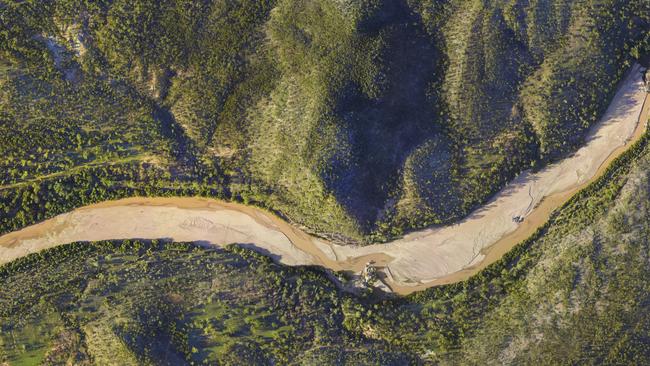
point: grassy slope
(172, 304)
(361, 119)
(575, 292)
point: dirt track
(422, 259)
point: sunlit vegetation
(166, 303)
(575, 292)
(50, 127)
(358, 119)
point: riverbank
(422, 259)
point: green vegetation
(172, 304)
(574, 293)
(358, 119)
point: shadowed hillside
(359, 119)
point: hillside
(135, 303)
(575, 292)
(358, 119)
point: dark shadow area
(182, 147)
(384, 130)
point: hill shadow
(385, 130)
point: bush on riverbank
(583, 276)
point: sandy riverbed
(421, 259)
